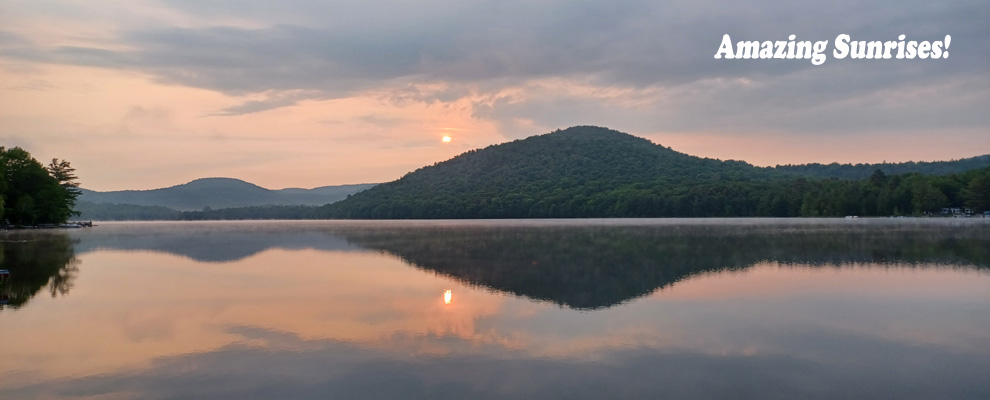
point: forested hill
(221, 193)
(863, 171)
(577, 172)
(597, 172)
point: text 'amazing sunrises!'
(844, 47)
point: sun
(446, 139)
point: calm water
(577, 309)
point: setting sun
(446, 297)
(446, 139)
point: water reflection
(216, 242)
(352, 310)
(596, 267)
(35, 262)
(590, 266)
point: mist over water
(697, 308)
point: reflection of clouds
(141, 325)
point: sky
(141, 94)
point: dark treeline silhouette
(32, 193)
(125, 212)
(255, 212)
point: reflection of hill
(595, 267)
(217, 243)
(36, 261)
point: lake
(571, 309)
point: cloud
(661, 54)
(272, 100)
(627, 43)
(8, 39)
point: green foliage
(33, 194)
(64, 174)
(578, 172)
(864, 171)
(595, 172)
(977, 192)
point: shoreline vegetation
(35, 195)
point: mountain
(581, 172)
(221, 193)
(589, 171)
(575, 172)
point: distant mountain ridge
(580, 172)
(222, 193)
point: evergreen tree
(977, 192)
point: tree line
(880, 195)
(32, 193)
(863, 171)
